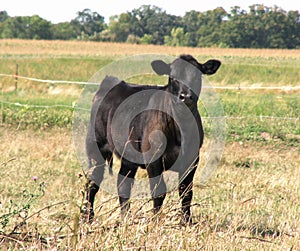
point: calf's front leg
(157, 185)
(91, 190)
(186, 194)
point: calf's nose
(184, 96)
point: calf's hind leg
(96, 164)
(125, 184)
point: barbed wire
(49, 81)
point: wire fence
(49, 81)
(74, 105)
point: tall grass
(250, 202)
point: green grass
(265, 75)
(234, 71)
(69, 69)
(262, 71)
(249, 115)
(29, 109)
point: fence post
(16, 77)
(239, 99)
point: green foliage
(153, 20)
(3, 16)
(88, 23)
(261, 27)
(63, 31)
(210, 27)
(120, 27)
(177, 38)
(142, 22)
(32, 27)
(147, 39)
(42, 118)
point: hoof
(186, 220)
(87, 214)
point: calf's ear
(210, 67)
(160, 67)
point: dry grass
(251, 202)
(93, 49)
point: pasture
(251, 201)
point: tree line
(260, 27)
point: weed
(18, 211)
(247, 163)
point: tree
(147, 39)
(33, 27)
(261, 27)
(153, 21)
(209, 32)
(120, 27)
(63, 31)
(39, 28)
(236, 32)
(88, 23)
(3, 16)
(191, 24)
(177, 37)
(143, 22)
(292, 30)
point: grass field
(250, 203)
(65, 60)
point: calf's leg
(125, 183)
(157, 184)
(186, 195)
(95, 173)
(91, 190)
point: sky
(59, 11)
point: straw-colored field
(93, 49)
(251, 201)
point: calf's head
(185, 76)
